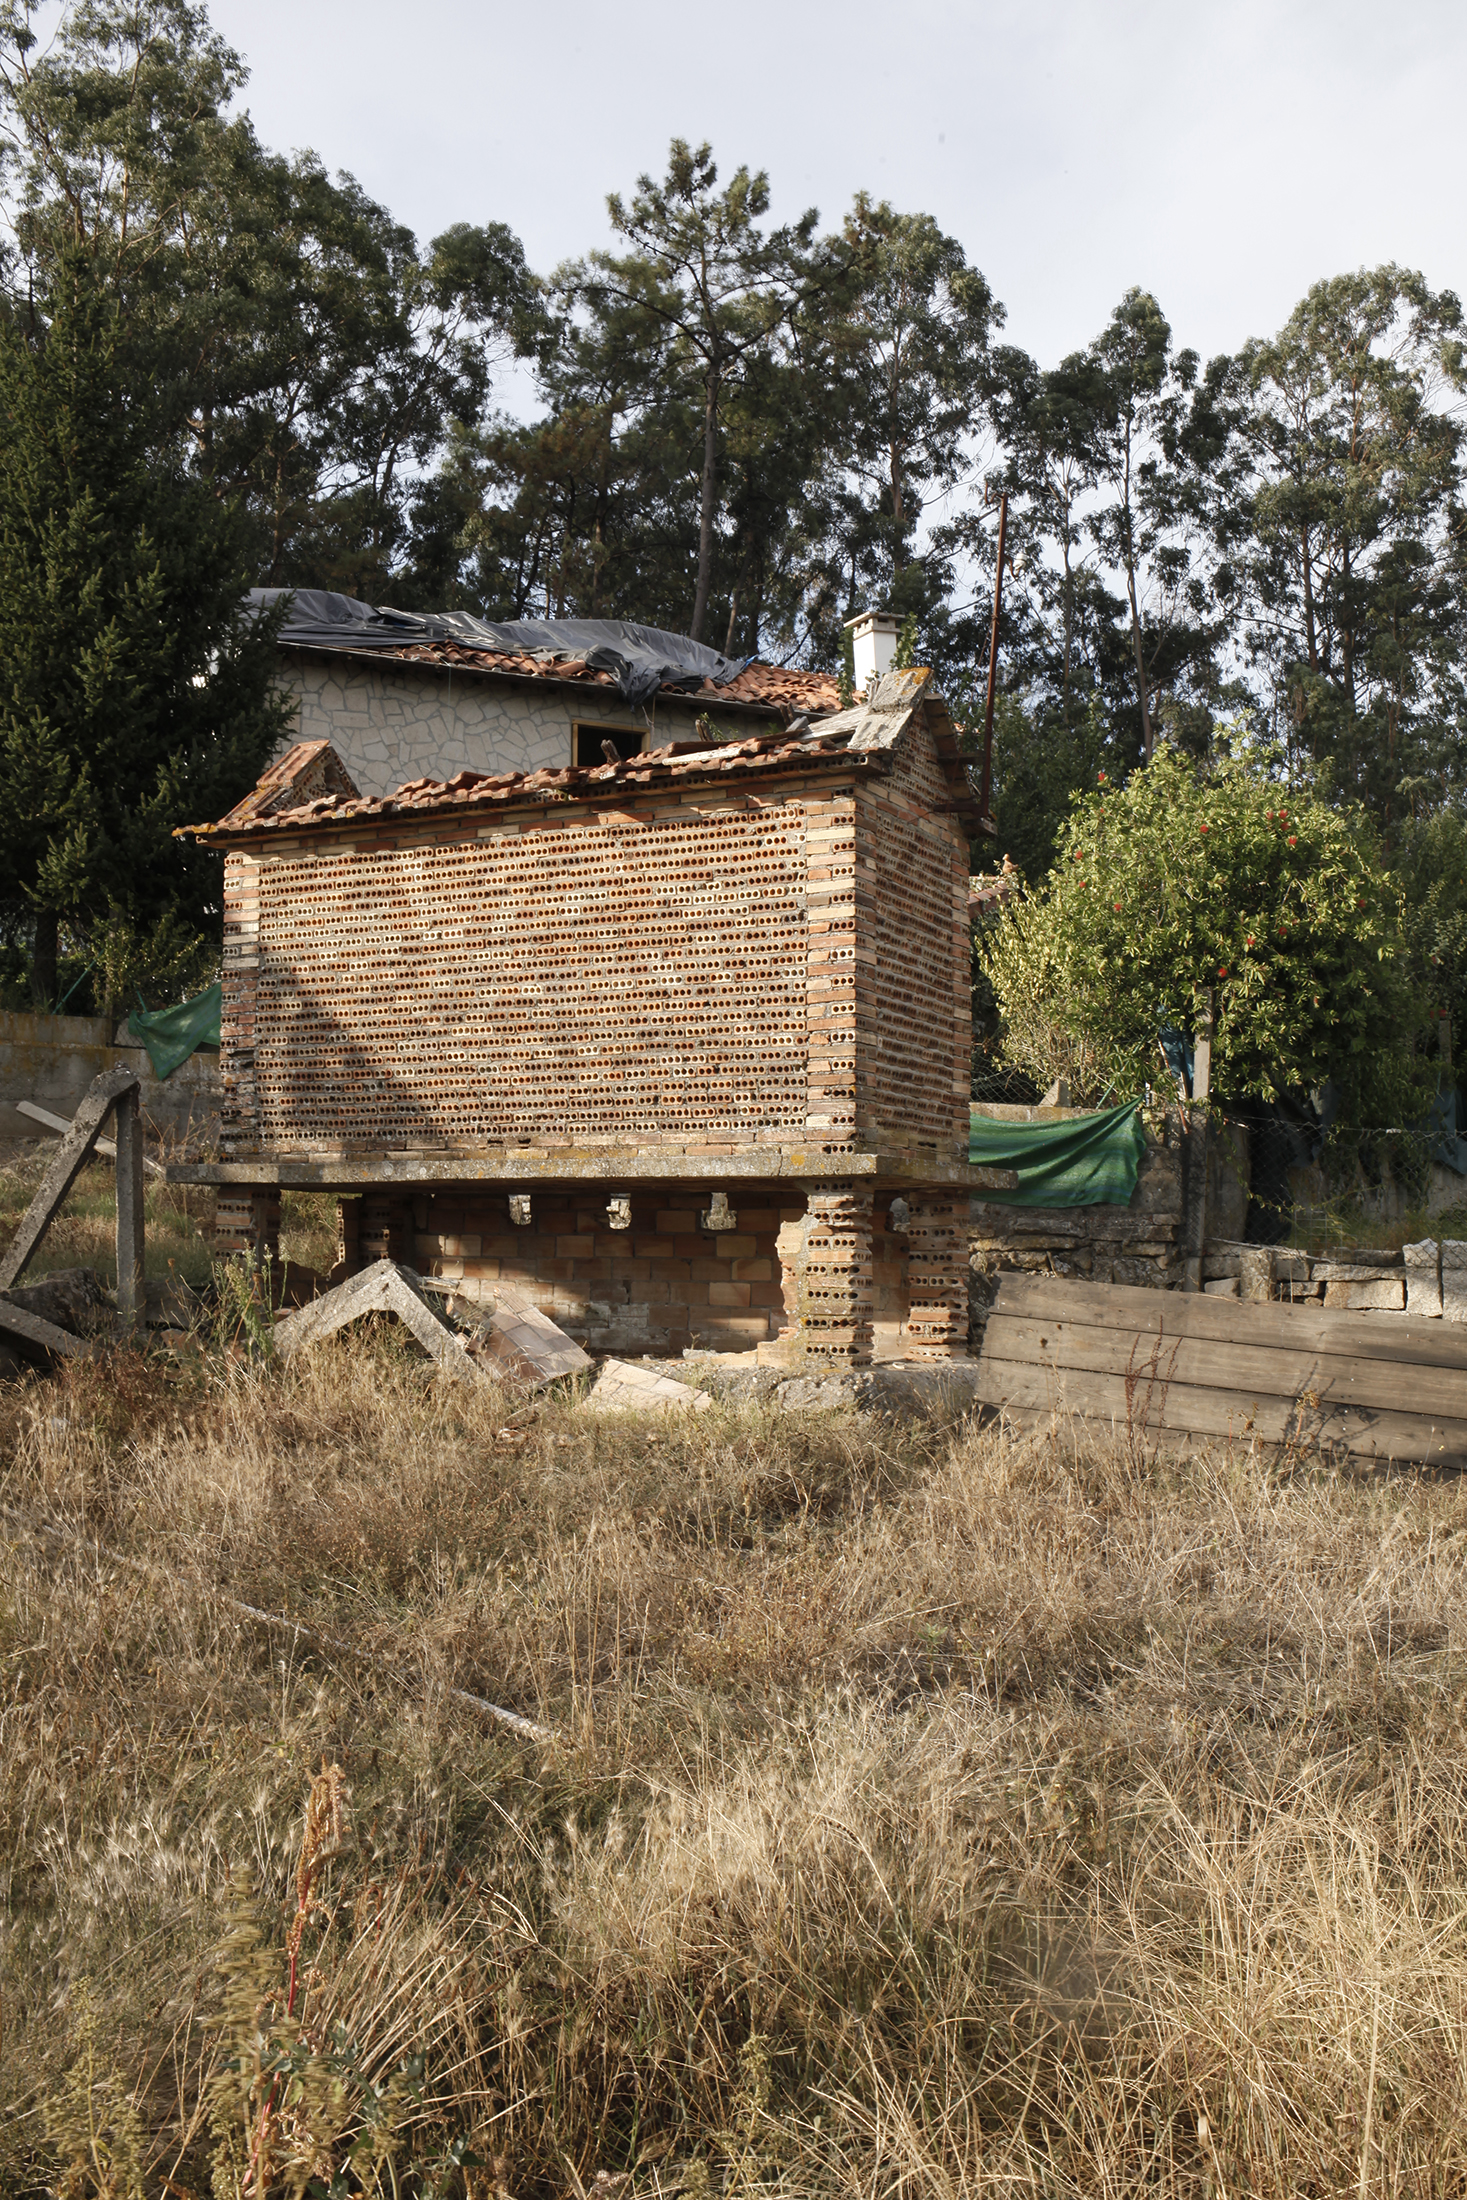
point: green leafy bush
(1274, 900)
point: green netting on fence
(1084, 1161)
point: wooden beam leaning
(66, 1166)
(132, 1289)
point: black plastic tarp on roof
(641, 658)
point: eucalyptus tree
(1353, 558)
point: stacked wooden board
(1157, 1361)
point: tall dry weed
(933, 1809)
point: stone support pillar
(825, 1269)
(937, 1274)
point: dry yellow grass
(934, 1810)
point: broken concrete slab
(623, 1387)
(33, 1337)
(384, 1288)
(527, 1345)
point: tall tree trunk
(1146, 734)
(44, 957)
(1310, 643)
(733, 609)
(706, 505)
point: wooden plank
(104, 1146)
(17, 1322)
(1251, 1370)
(1206, 1412)
(1393, 1337)
(66, 1166)
(132, 1289)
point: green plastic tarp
(1082, 1161)
(171, 1035)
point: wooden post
(1195, 1217)
(132, 1290)
(67, 1164)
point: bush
(1177, 881)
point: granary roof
(309, 788)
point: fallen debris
(67, 1163)
(384, 1288)
(623, 1387)
(526, 1344)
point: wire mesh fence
(1314, 1187)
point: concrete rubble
(624, 1387)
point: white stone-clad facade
(390, 722)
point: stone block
(1454, 1279)
(1222, 1287)
(1385, 1295)
(1423, 1279)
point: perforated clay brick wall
(916, 1037)
(611, 975)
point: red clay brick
(728, 1294)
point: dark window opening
(626, 740)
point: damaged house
(401, 696)
(666, 1044)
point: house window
(626, 740)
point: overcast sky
(1223, 153)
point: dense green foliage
(747, 430)
(133, 694)
(1179, 881)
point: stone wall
(392, 722)
(51, 1060)
(1136, 1244)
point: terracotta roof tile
(760, 687)
(731, 760)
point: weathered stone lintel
(532, 1165)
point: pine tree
(134, 693)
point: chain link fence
(1316, 1188)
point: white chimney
(874, 637)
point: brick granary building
(667, 1044)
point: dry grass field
(925, 1809)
